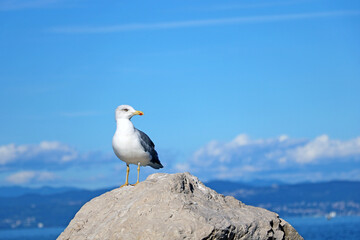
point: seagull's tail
(156, 165)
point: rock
(173, 206)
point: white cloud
(7, 153)
(323, 147)
(240, 159)
(199, 23)
(11, 152)
(241, 140)
(37, 164)
(246, 158)
(23, 177)
(182, 167)
(283, 138)
(48, 155)
(45, 176)
(20, 177)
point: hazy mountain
(285, 193)
(15, 191)
(303, 199)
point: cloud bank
(23, 177)
(280, 158)
(58, 164)
(46, 155)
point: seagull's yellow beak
(138, 113)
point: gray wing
(149, 147)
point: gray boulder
(173, 206)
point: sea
(310, 228)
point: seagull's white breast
(127, 146)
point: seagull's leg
(138, 175)
(127, 176)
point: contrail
(199, 23)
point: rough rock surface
(173, 206)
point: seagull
(132, 145)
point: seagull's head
(126, 112)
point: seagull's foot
(135, 183)
(126, 184)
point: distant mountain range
(48, 207)
(16, 191)
(305, 199)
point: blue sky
(281, 76)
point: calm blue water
(319, 228)
(311, 228)
(31, 234)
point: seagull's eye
(125, 109)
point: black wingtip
(156, 165)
